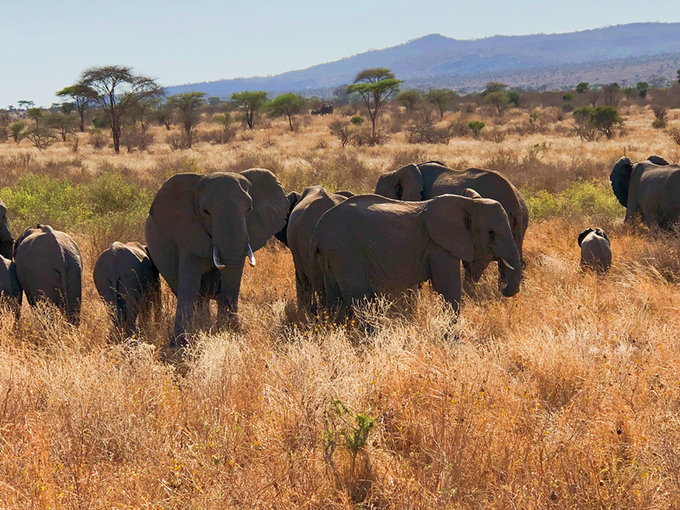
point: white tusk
(507, 264)
(251, 256)
(216, 259)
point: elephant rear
(596, 251)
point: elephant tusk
(251, 256)
(216, 259)
(507, 264)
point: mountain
(637, 51)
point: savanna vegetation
(564, 396)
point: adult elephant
(306, 210)
(49, 266)
(651, 188)
(371, 244)
(432, 179)
(10, 288)
(6, 239)
(128, 282)
(200, 229)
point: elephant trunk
(512, 272)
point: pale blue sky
(45, 44)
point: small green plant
(357, 120)
(476, 127)
(347, 430)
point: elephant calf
(371, 244)
(128, 282)
(596, 252)
(49, 266)
(306, 209)
(10, 289)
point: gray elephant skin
(306, 210)
(128, 282)
(371, 244)
(650, 188)
(596, 251)
(199, 231)
(6, 239)
(428, 180)
(49, 266)
(10, 288)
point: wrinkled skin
(432, 179)
(10, 288)
(197, 223)
(371, 244)
(596, 251)
(306, 210)
(6, 239)
(649, 188)
(128, 282)
(49, 266)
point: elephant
(596, 251)
(128, 282)
(428, 180)
(201, 228)
(372, 244)
(10, 288)
(49, 266)
(650, 187)
(306, 210)
(6, 239)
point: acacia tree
(440, 99)
(188, 108)
(81, 99)
(375, 86)
(287, 105)
(116, 90)
(249, 102)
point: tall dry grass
(565, 396)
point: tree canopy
(287, 105)
(249, 102)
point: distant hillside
(624, 53)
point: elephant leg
(228, 298)
(188, 290)
(304, 293)
(445, 278)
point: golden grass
(567, 395)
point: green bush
(581, 199)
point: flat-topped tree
(81, 98)
(188, 108)
(440, 99)
(116, 90)
(375, 86)
(287, 105)
(249, 102)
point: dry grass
(565, 396)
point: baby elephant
(10, 290)
(128, 282)
(49, 266)
(596, 252)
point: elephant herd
(421, 223)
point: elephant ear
(409, 183)
(583, 235)
(173, 212)
(345, 193)
(449, 224)
(657, 160)
(620, 179)
(601, 233)
(293, 199)
(470, 193)
(270, 206)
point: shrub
(341, 130)
(476, 127)
(427, 133)
(357, 120)
(96, 138)
(16, 130)
(585, 198)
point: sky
(46, 44)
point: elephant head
(620, 179)
(403, 184)
(293, 199)
(587, 231)
(6, 239)
(474, 229)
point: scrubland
(564, 396)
